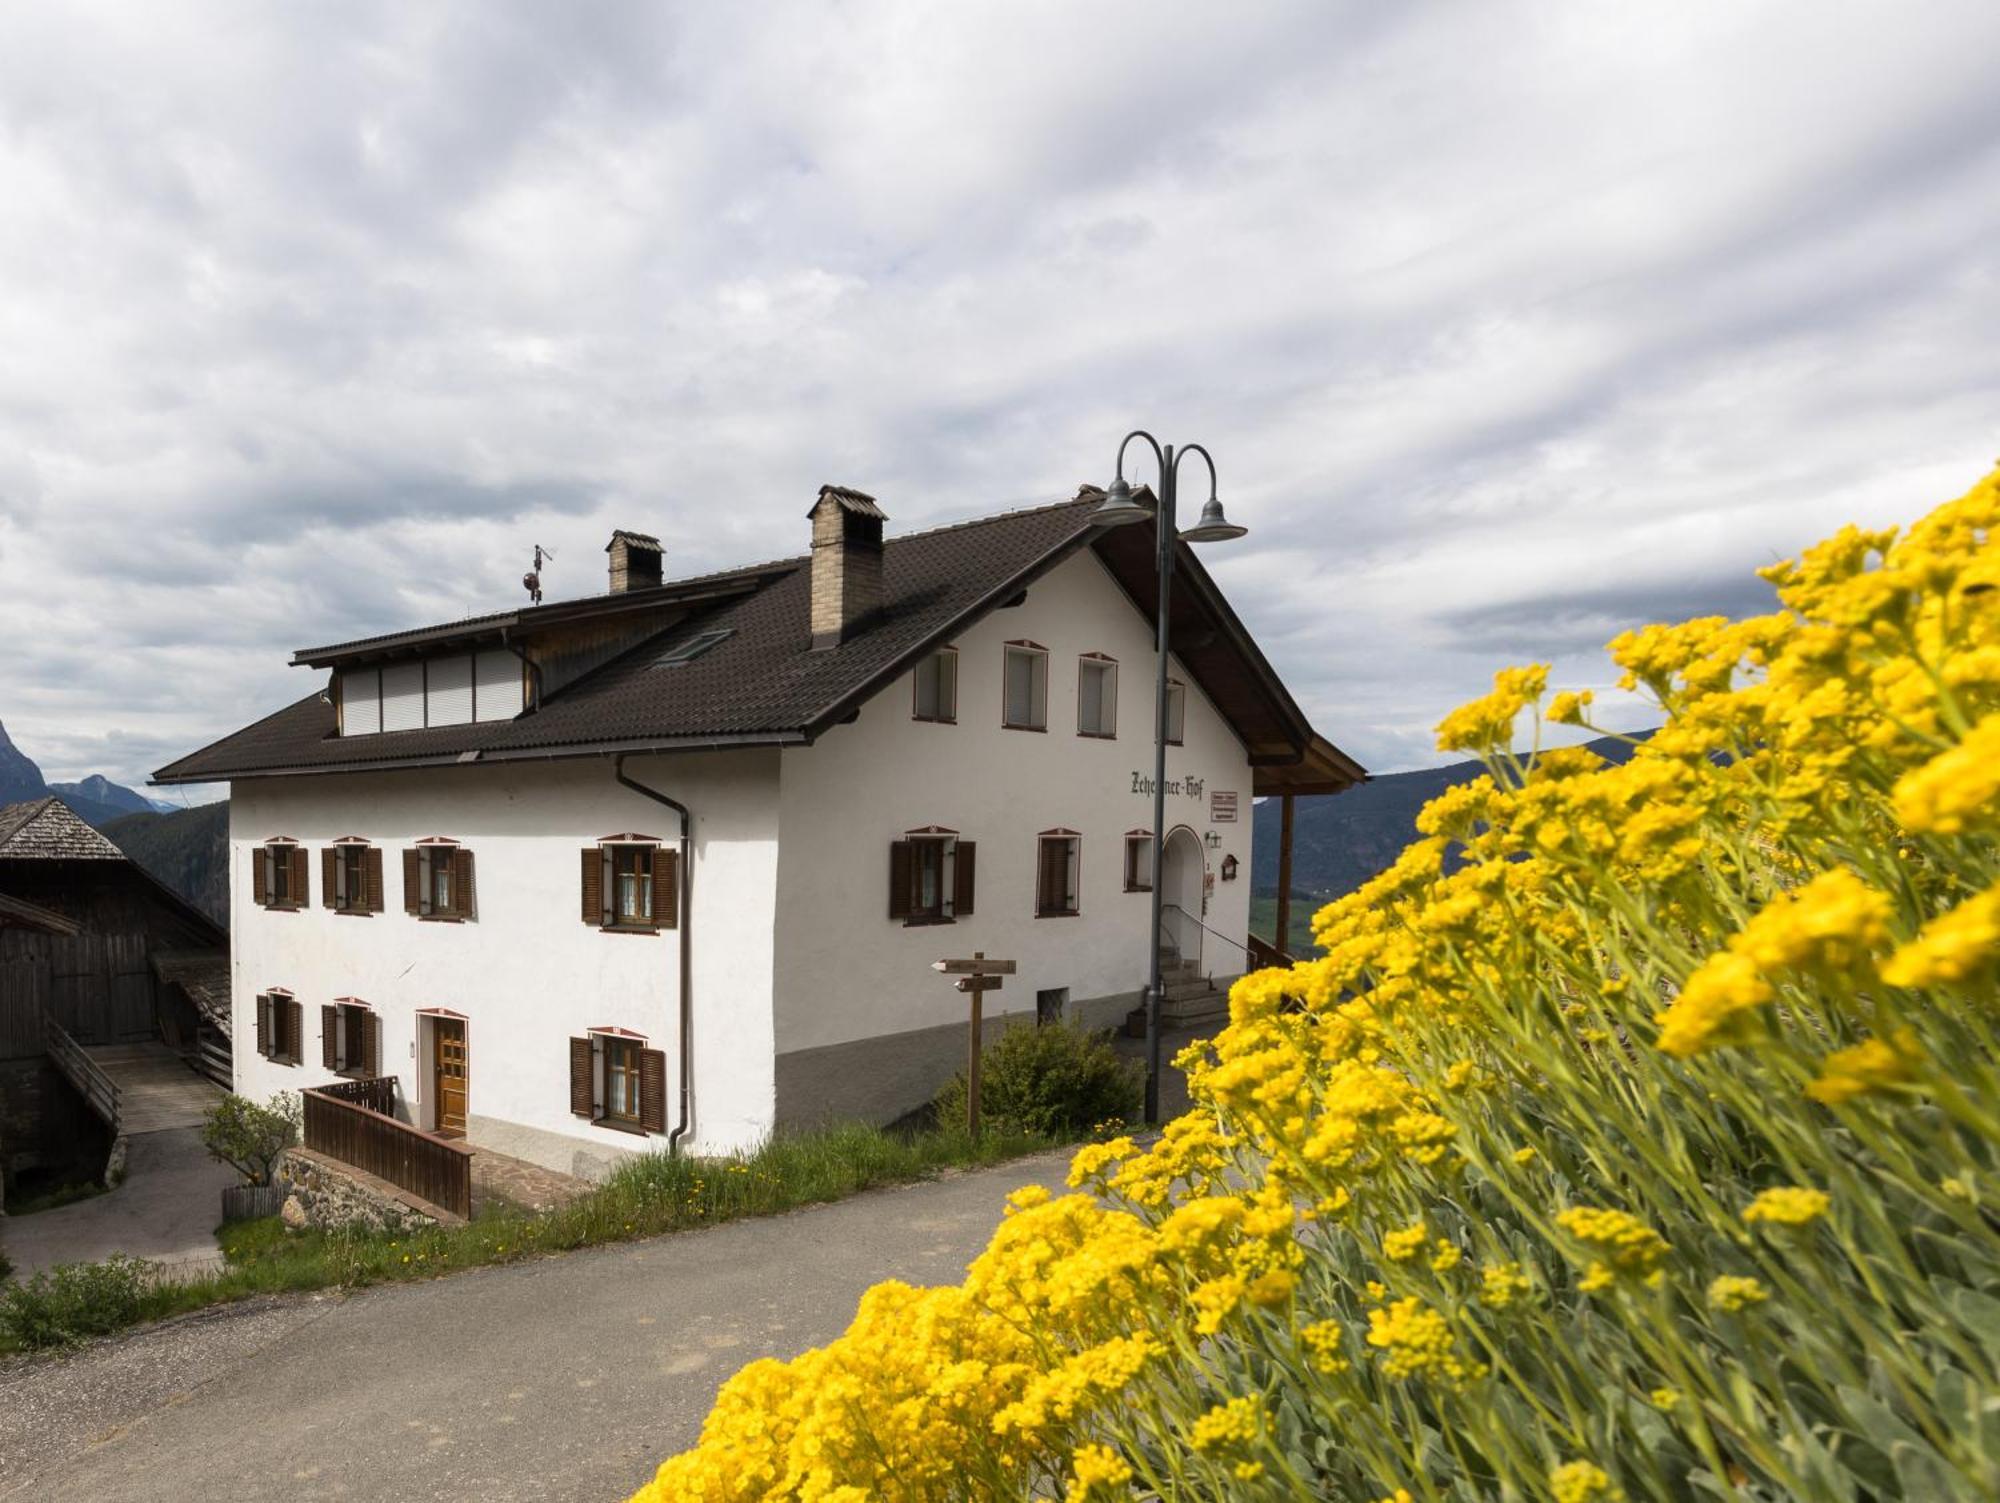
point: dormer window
(456, 689)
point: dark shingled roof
(762, 684)
(47, 829)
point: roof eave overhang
(166, 777)
(505, 628)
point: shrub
(1649, 1154)
(250, 1137)
(65, 1304)
(1055, 1081)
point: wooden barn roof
(47, 829)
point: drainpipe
(683, 923)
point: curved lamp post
(1118, 508)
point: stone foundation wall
(326, 1193)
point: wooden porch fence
(344, 1122)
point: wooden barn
(103, 971)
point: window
(630, 883)
(1138, 861)
(280, 1024)
(350, 876)
(437, 880)
(1027, 687)
(931, 877)
(350, 1038)
(1050, 1006)
(621, 1081)
(1059, 856)
(934, 695)
(694, 647)
(616, 1081)
(1096, 696)
(278, 874)
(1176, 711)
(454, 690)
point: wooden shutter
(653, 1090)
(260, 884)
(413, 882)
(462, 900)
(593, 886)
(371, 1042)
(329, 1037)
(300, 899)
(962, 879)
(294, 1046)
(264, 1026)
(580, 1092)
(328, 876)
(902, 855)
(666, 888)
(373, 861)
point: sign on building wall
(1222, 806)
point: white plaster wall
(846, 971)
(527, 972)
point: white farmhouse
(670, 864)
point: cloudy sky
(1509, 325)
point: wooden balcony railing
(1264, 954)
(376, 1092)
(346, 1129)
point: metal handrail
(1191, 918)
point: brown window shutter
(593, 886)
(667, 888)
(327, 857)
(413, 882)
(299, 896)
(464, 904)
(295, 1034)
(371, 1043)
(653, 1090)
(264, 1026)
(374, 865)
(901, 854)
(329, 1037)
(260, 885)
(963, 879)
(580, 1092)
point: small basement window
(694, 647)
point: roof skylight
(693, 647)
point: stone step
(1192, 1012)
(1181, 990)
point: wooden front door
(448, 1073)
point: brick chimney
(846, 563)
(635, 561)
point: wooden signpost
(976, 977)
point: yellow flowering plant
(1636, 1135)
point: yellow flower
(1489, 722)
(1569, 708)
(1097, 1474)
(1861, 1068)
(1500, 1284)
(1417, 1340)
(1229, 1426)
(1625, 1246)
(1957, 789)
(1788, 1206)
(1953, 947)
(1401, 1246)
(1733, 1293)
(1325, 1340)
(1665, 1398)
(1582, 1482)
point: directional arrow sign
(978, 983)
(975, 967)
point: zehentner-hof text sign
(1176, 787)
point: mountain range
(1339, 842)
(96, 799)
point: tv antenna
(532, 580)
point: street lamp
(1118, 508)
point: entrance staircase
(1191, 1001)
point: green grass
(644, 1198)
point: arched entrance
(1180, 895)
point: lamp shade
(1213, 527)
(1117, 508)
